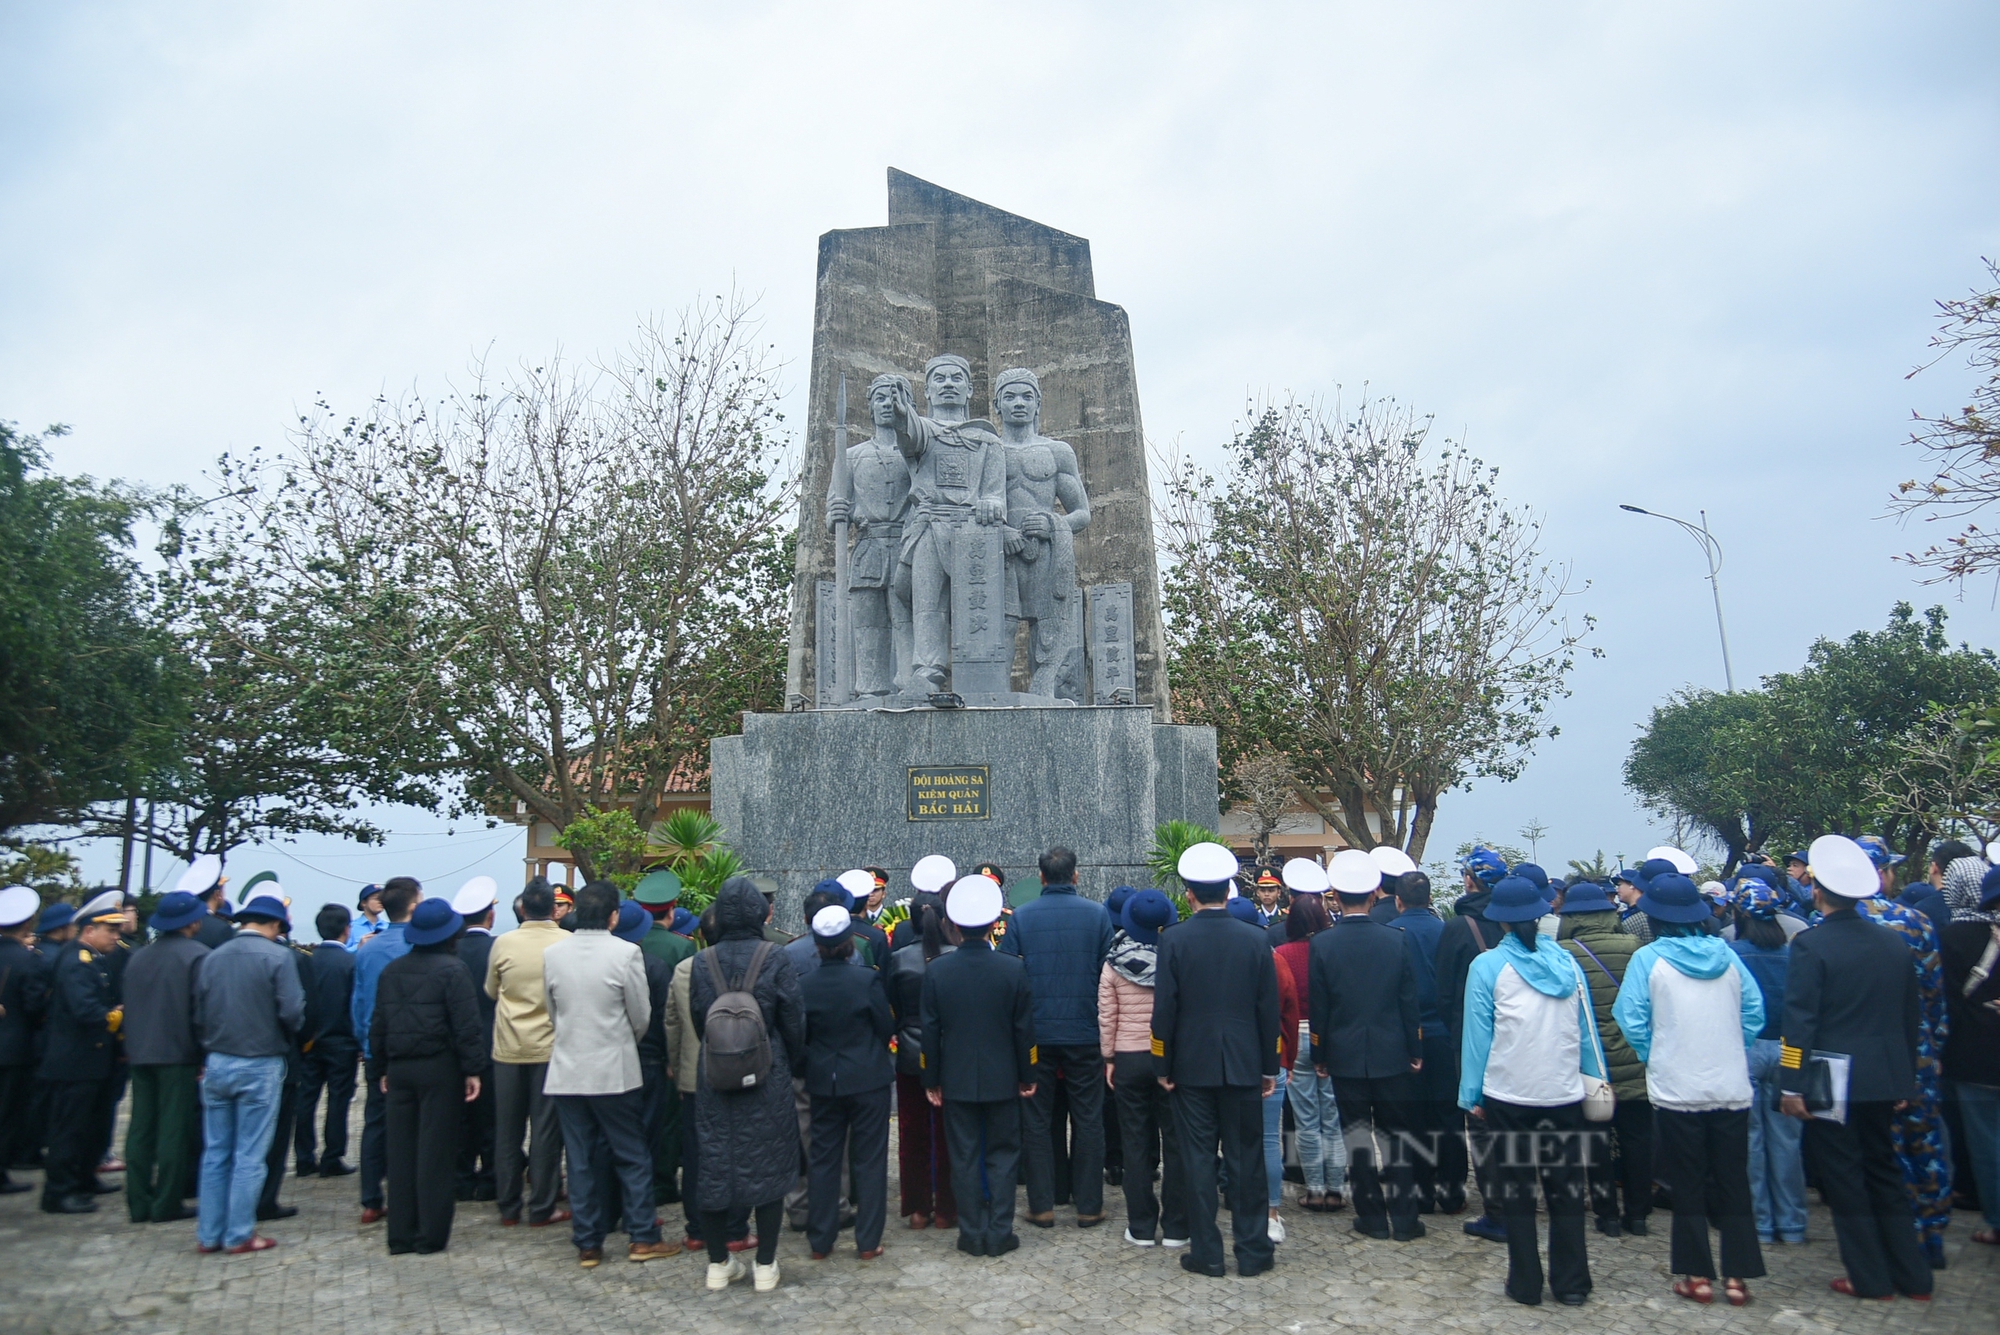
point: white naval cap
(975, 901)
(831, 921)
(18, 904)
(1392, 860)
(475, 897)
(1353, 872)
(201, 875)
(1843, 867)
(1207, 864)
(1305, 877)
(857, 882)
(932, 873)
(1683, 864)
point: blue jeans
(1316, 1117)
(1979, 1109)
(1274, 1140)
(610, 1164)
(1777, 1172)
(239, 1101)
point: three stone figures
(957, 539)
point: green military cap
(1025, 890)
(657, 887)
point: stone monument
(977, 662)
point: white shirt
(1697, 1061)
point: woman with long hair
(1315, 1115)
(1528, 1040)
(922, 1161)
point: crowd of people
(1609, 1046)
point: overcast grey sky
(1680, 255)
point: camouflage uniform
(1918, 1129)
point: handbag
(1599, 1102)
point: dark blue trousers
(605, 1134)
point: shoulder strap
(755, 969)
(1984, 969)
(1477, 935)
(1590, 1018)
(715, 971)
(1615, 981)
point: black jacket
(1215, 1003)
(878, 943)
(330, 992)
(80, 1043)
(1972, 1044)
(659, 978)
(906, 998)
(979, 1025)
(1362, 1001)
(1466, 936)
(1850, 988)
(159, 1003)
(848, 1025)
(214, 931)
(24, 991)
(424, 1007)
(473, 950)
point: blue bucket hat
(1652, 869)
(1632, 876)
(1674, 898)
(1114, 903)
(1243, 910)
(1516, 899)
(1758, 871)
(1483, 865)
(177, 910)
(684, 922)
(633, 922)
(1587, 897)
(273, 908)
(432, 922)
(54, 918)
(841, 894)
(1146, 912)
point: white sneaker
(1173, 1242)
(1277, 1230)
(722, 1276)
(1137, 1242)
(767, 1277)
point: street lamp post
(1712, 550)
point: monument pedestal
(807, 795)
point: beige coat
(683, 1048)
(522, 1033)
(600, 1006)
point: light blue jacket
(377, 953)
(1551, 971)
(1696, 957)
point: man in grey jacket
(598, 1000)
(166, 1061)
(248, 1004)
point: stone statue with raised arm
(1040, 539)
(877, 493)
(953, 538)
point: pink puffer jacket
(1124, 1014)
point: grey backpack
(736, 1045)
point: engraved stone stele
(950, 275)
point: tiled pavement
(332, 1277)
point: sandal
(918, 1221)
(1695, 1289)
(1737, 1292)
(1332, 1203)
(1989, 1236)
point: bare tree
(563, 581)
(1365, 607)
(1963, 448)
(1265, 791)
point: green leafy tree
(51, 872)
(272, 739)
(1366, 607)
(85, 708)
(1809, 751)
(607, 845)
(1163, 860)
